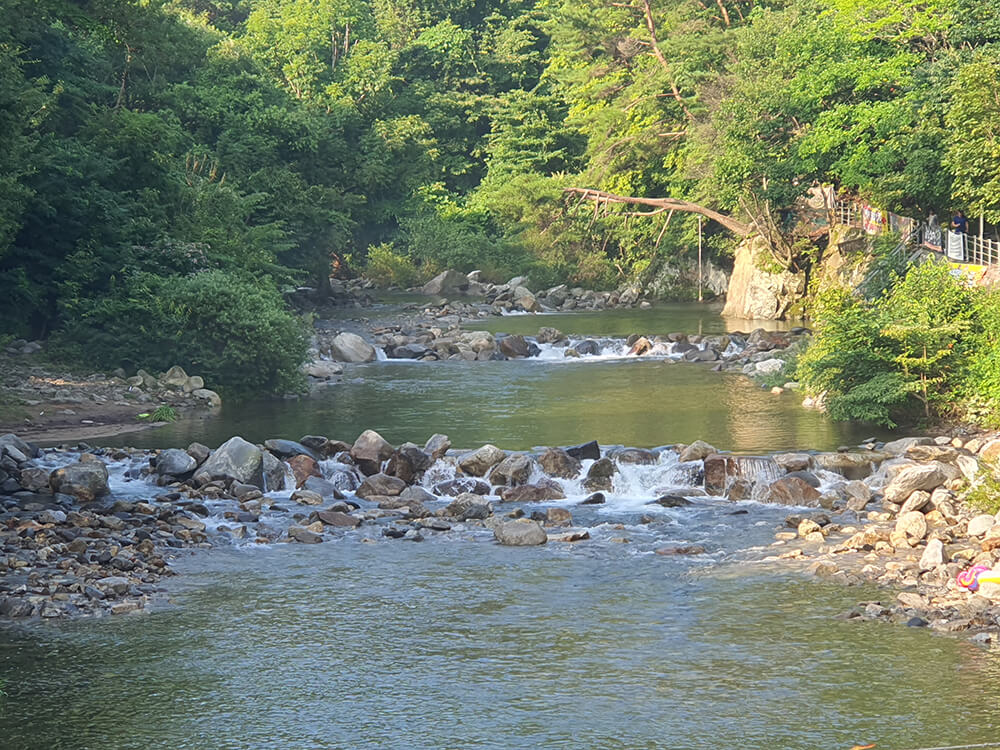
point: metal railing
(982, 252)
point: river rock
(851, 465)
(86, 480)
(599, 475)
(288, 448)
(210, 397)
(234, 459)
(304, 535)
(480, 461)
(303, 467)
(990, 452)
(274, 472)
(912, 478)
(513, 470)
(199, 452)
(917, 500)
(681, 549)
(381, 484)
(792, 462)
(640, 347)
(719, 469)
(520, 533)
(455, 487)
(29, 450)
(323, 369)
(596, 499)
(34, 479)
(636, 456)
(546, 489)
(369, 451)
(437, 445)
(548, 335)
(980, 524)
(900, 446)
(585, 451)
(337, 518)
(558, 463)
(468, 506)
(943, 453)
(912, 525)
(806, 476)
(792, 491)
(933, 555)
(446, 283)
(408, 462)
(174, 462)
(307, 497)
(514, 347)
(417, 494)
(175, 377)
(699, 450)
(558, 517)
(349, 347)
(587, 348)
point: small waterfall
(757, 469)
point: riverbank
(93, 531)
(46, 401)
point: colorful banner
(904, 225)
(932, 237)
(872, 219)
(968, 273)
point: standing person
(959, 223)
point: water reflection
(520, 404)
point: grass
(984, 494)
(161, 414)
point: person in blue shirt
(959, 223)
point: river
(456, 642)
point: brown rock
(558, 463)
(369, 451)
(792, 491)
(303, 467)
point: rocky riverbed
(92, 531)
(46, 401)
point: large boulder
(546, 489)
(512, 471)
(558, 463)
(86, 480)
(514, 347)
(525, 300)
(468, 506)
(912, 478)
(912, 525)
(408, 462)
(349, 347)
(699, 450)
(480, 461)
(792, 490)
(10, 440)
(175, 462)
(369, 451)
(234, 459)
(175, 377)
(446, 283)
(520, 533)
(381, 484)
(599, 475)
(754, 292)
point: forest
(172, 167)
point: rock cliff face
(676, 279)
(758, 294)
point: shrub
(234, 332)
(387, 268)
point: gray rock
(599, 475)
(911, 478)
(337, 518)
(349, 347)
(514, 347)
(23, 446)
(546, 489)
(175, 377)
(199, 452)
(274, 472)
(437, 445)
(468, 506)
(408, 462)
(980, 524)
(446, 283)
(304, 536)
(86, 480)
(210, 397)
(636, 456)
(913, 525)
(596, 499)
(899, 447)
(512, 471)
(520, 533)
(418, 494)
(480, 461)
(585, 451)
(289, 448)
(174, 462)
(322, 369)
(234, 459)
(933, 555)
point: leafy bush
(386, 267)
(234, 332)
(909, 346)
(981, 386)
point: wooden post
(699, 259)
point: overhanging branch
(664, 204)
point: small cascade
(380, 355)
(440, 471)
(757, 469)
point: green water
(525, 403)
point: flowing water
(455, 642)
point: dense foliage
(259, 139)
(927, 346)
